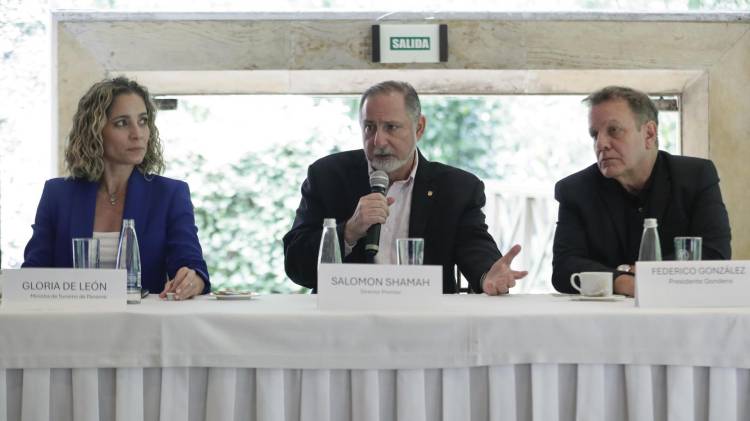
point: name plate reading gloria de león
(705, 283)
(62, 289)
(363, 286)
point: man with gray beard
(429, 200)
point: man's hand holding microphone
(370, 213)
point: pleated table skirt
(548, 392)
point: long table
(472, 357)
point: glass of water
(85, 253)
(409, 251)
(688, 248)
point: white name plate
(63, 289)
(378, 287)
(714, 283)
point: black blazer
(590, 235)
(446, 210)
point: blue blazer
(164, 224)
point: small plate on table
(610, 298)
(226, 295)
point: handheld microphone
(378, 184)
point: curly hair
(84, 153)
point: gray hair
(411, 99)
(640, 104)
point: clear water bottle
(650, 250)
(129, 258)
(329, 243)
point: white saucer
(611, 298)
(235, 296)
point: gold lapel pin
(429, 193)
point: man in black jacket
(425, 199)
(602, 208)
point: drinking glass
(85, 253)
(688, 248)
(409, 251)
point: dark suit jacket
(450, 219)
(164, 224)
(590, 236)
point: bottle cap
(329, 223)
(650, 223)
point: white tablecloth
(515, 357)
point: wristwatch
(624, 270)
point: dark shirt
(636, 210)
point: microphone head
(379, 179)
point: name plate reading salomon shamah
(706, 283)
(358, 286)
(62, 289)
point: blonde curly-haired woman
(113, 157)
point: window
(245, 157)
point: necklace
(111, 197)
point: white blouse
(107, 248)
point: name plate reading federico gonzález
(706, 283)
(62, 289)
(378, 287)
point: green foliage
(243, 211)
(462, 132)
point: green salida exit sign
(410, 43)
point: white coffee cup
(593, 284)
